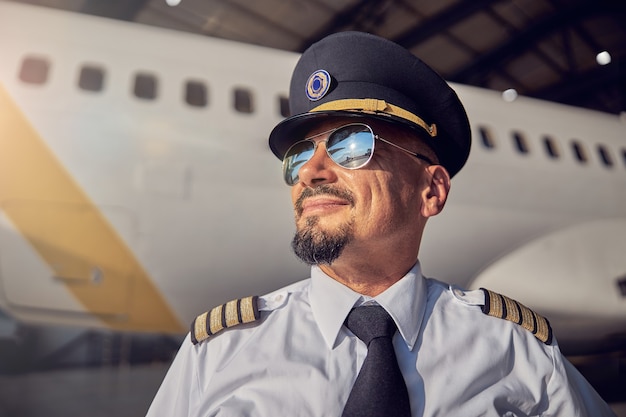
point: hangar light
(603, 58)
(509, 95)
(172, 2)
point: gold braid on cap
(372, 105)
(502, 307)
(233, 313)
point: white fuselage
(140, 213)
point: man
(375, 138)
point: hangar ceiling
(542, 48)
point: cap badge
(318, 85)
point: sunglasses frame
(330, 132)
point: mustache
(323, 190)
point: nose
(320, 169)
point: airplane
(137, 189)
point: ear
(436, 189)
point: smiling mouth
(323, 198)
(321, 204)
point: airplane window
(551, 147)
(579, 152)
(145, 86)
(91, 78)
(243, 100)
(283, 103)
(520, 142)
(196, 93)
(486, 138)
(605, 156)
(621, 284)
(34, 70)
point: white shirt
(299, 359)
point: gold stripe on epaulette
(199, 327)
(248, 309)
(494, 305)
(215, 322)
(233, 313)
(503, 307)
(528, 319)
(544, 331)
(512, 310)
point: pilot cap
(355, 74)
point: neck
(366, 277)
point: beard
(315, 246)
(319, 247)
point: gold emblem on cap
(318, 85)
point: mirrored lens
(351, 146)
(295, 157)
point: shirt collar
(405, 301)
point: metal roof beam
(526, 39)
(442, 22)
(579, 89)
(341, 20)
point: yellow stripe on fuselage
(34, 189)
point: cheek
(411, 196)
(385, 199)
(403, 199)
(296, 192)
(294, 195)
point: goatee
(318, 247)
(313, 245)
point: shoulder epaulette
(233, 313)
(503, 307)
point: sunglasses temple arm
(417, 155)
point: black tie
(379, 389)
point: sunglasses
(350, 146)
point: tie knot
(370, 322)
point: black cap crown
(357, 74)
